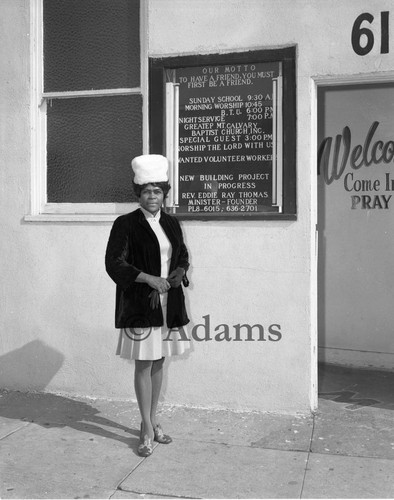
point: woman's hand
(175, 278)
(157, 283)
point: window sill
(80, 212)
(71, 218)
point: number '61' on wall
(358, 31)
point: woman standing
(147, 259)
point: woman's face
(151, 198)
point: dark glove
(175, 278)
(154, 299)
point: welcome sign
(343, 161)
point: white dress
(155, 342)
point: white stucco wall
(57, 331)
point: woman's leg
(143, 391)
(157, 379)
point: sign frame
(158, 121)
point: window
(88, 103)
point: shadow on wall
(30, 367)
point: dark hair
(164, 186)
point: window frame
(40, 209)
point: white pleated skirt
(149, 344)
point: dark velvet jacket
(133, 248)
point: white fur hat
(150, 168)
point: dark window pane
(90, 144)
(91, 44)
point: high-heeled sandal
(159, 435)
(145, 448)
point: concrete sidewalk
(57, 447)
